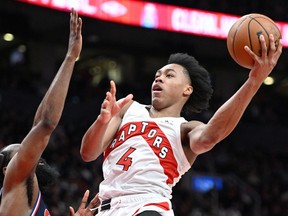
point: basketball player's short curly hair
(200, 81)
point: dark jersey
(40, 208)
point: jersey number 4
(125, 160)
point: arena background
(245, 175)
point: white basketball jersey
(145, 157)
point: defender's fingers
(72, 212)
(84, 200)
(95, 202)
(79, 27)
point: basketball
(246, 31)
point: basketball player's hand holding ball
(254, 42)
(110, 106)
(264, 64)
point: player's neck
(165, 112)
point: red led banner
(154, 15)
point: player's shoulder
(134, 105)
(187, 126)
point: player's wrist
(103, 118)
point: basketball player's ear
(188, 90)
(1, 163)
(4, 170)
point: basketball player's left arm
(203, 137)
(100, 134)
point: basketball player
(147, 148)
(23, 172)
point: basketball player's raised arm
(48, 114)
(102, 131)
(205, 136)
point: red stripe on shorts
(163, 205)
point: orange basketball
(246, 31)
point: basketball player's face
(171, 86)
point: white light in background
(8, 37)
(269, 80)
